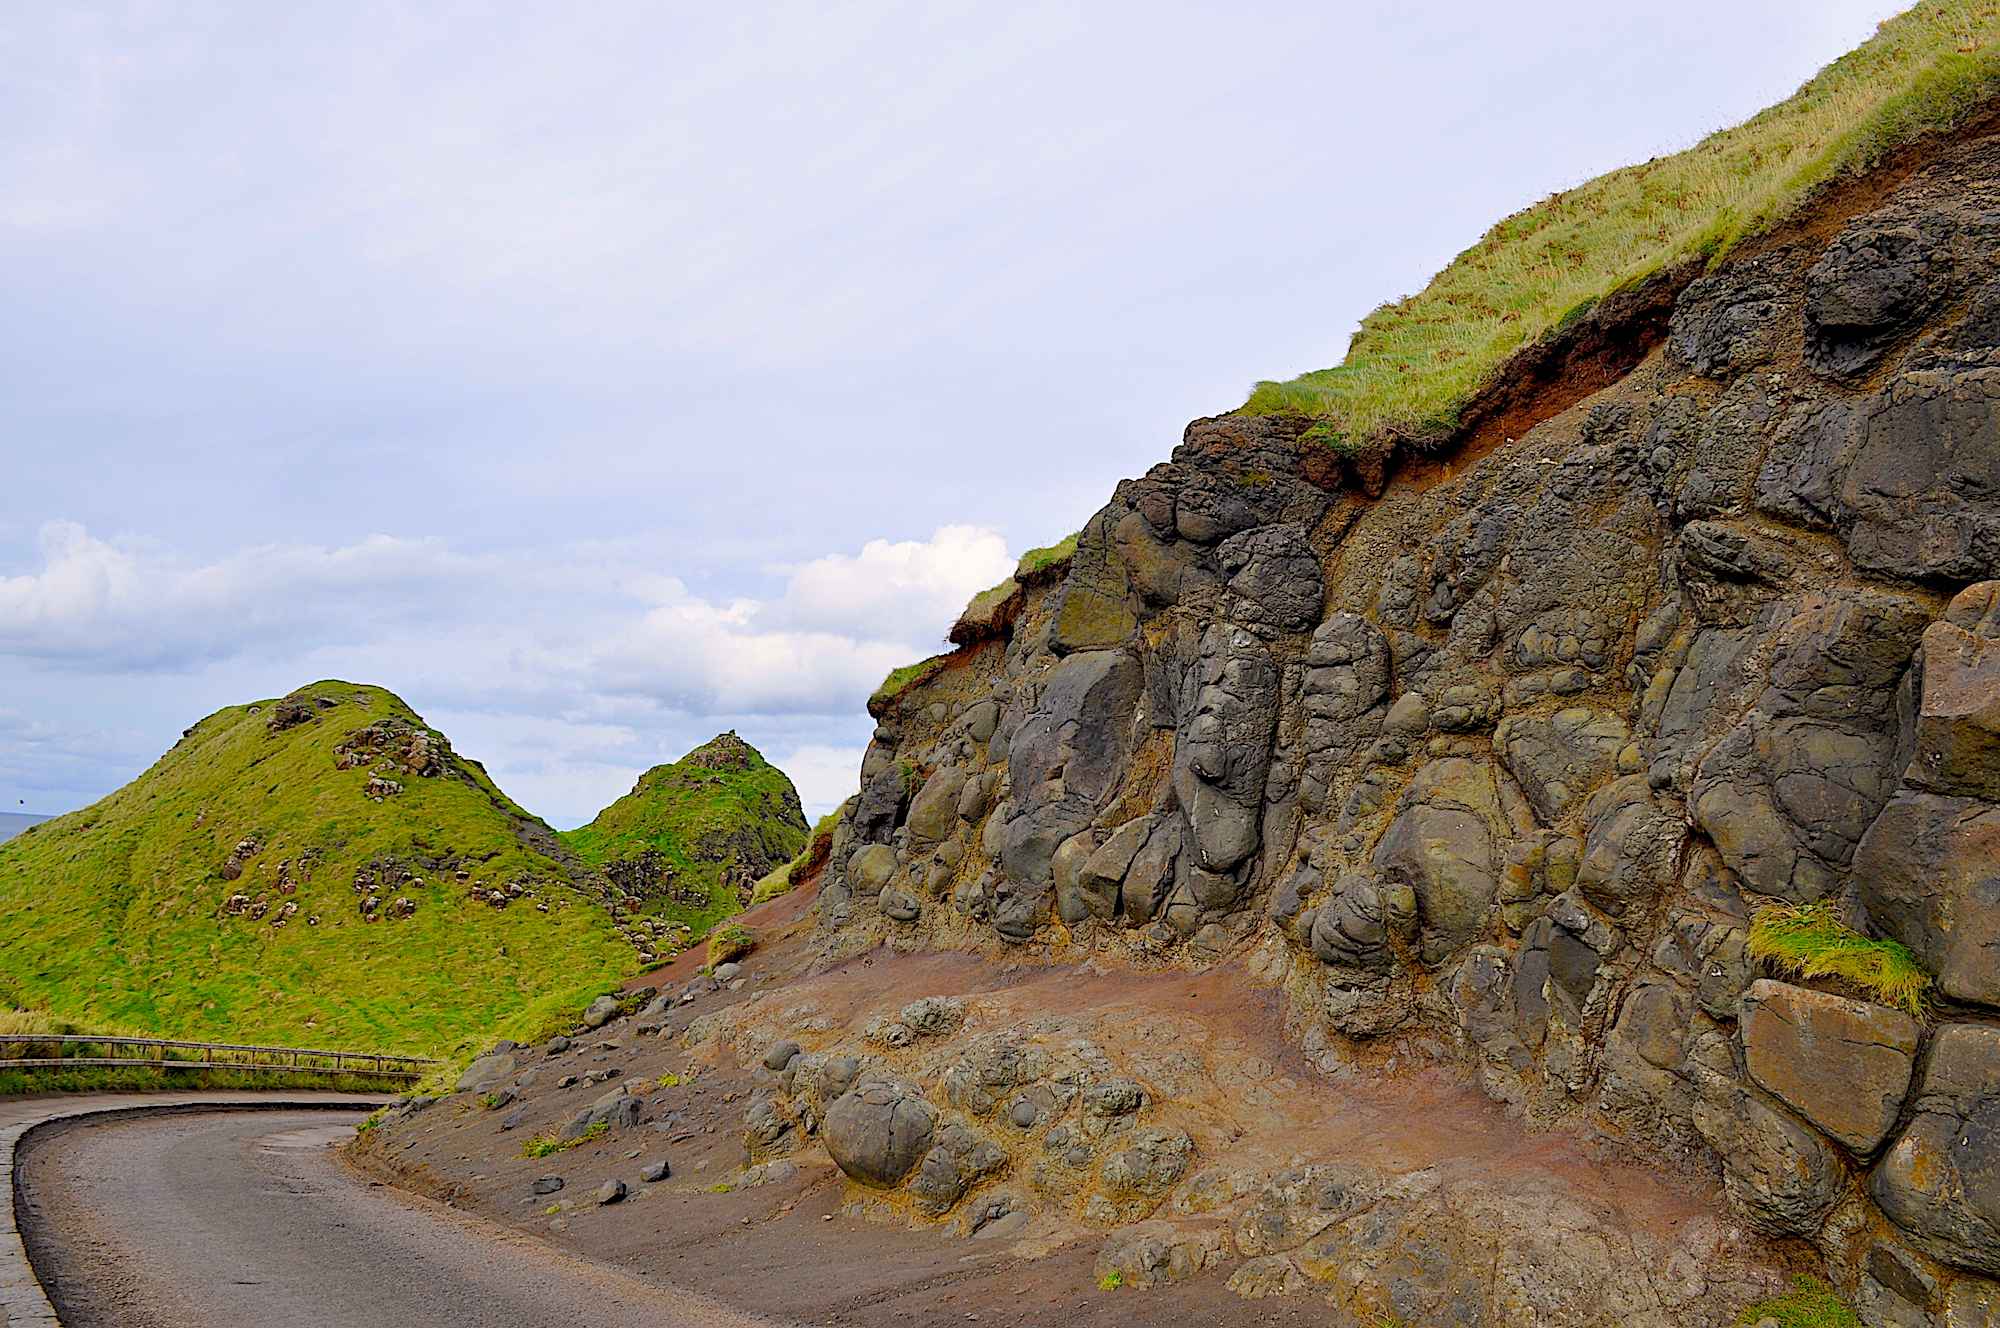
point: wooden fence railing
(152, 1053)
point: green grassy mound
(1415, 363)
(320, 870)
(692, 839)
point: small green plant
(373, 1119)
(669, 1081)
(1808, 941)
(1809, 1304)
(720, 1187)
(551, 1210)
(544, 1144)
(1111, 1281)
(493, 1100)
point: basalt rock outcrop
(1499, 757)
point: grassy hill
(1415, 363)
(692, 839)
(320, 869)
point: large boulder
(1940, 1180)
(1224, 752)
(1440, 849)
(1346, 697)
(934, 811)
(1560, 759)
(1920, 496)
(1274, 577)
(1842, 1064)
(959, 1160)
(1789, 791)
(601, 1012)
(1781, 1174)
(1928, 872)
(870, 869)
(487, 1071)
(1958, 716)
(879, 1131)
(1869, 285)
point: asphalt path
(251, 1220)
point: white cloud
(567, 678)
(841, 624)
(113, 609)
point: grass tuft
(902, 680)
(1809, 1304)
(1111, 1281)
(1808, 941)
(544, 1144)
(730, 941)
(1414, 363)
(1039, 560)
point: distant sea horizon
(13, 823)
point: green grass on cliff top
(699, 820)
(1413, 365)
(115, 914)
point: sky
(600, 376)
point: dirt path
(251, 1221)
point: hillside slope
(1417, 366)
(320, 869)
(693, 837)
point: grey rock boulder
(1440, 848)
(1842, 1064)
(610, 1192)
(1940, 1180)
(1224, 748)
(1957, 748)
(1275, 576)
(1871, 283)
(485, 1072)
(601, 1012)
(1560, 759)
(1926, 872)
(1783, 1177)
(870, 869)
(958, 1161)
(1918, 499)
(878, 1132)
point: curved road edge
(22, 1300)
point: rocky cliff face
(1491, 759)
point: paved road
(251, 1221)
